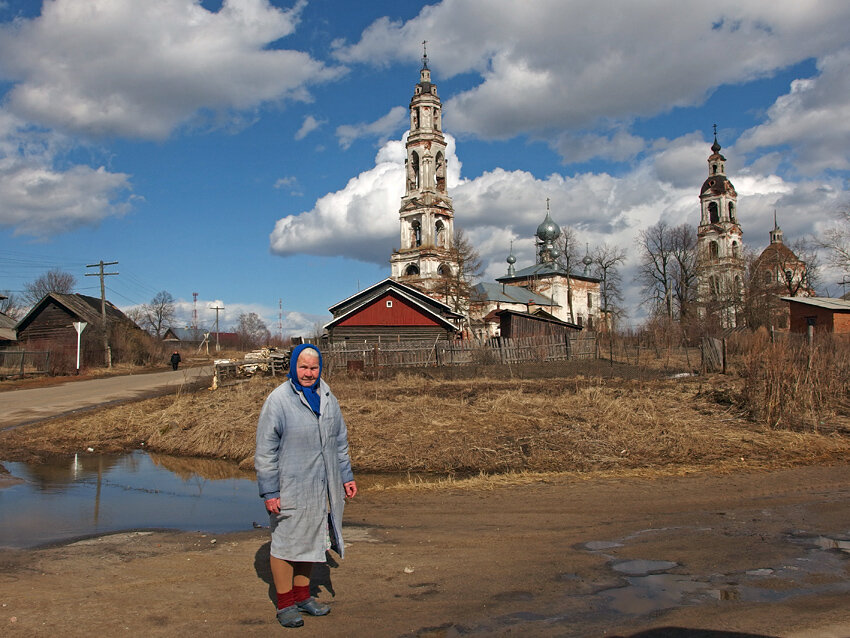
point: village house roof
(374, 291)
(828, 303)
(184, 334)
(7, 327)
(437, 310)
(83, 307)
(499, 293)
(545, 269)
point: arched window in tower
(713, 250)
(411, 270)
(414, 170)
(714, 169)
(441, 173)
(713, 214)
(714, 287)
(445, 270)
(414, 118)
(731, 212)
(437, 124)
(739, 288)
(416, 233)
(440, 234)
(736, 250)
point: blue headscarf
(311, 393)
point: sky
(252, 151)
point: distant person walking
(175, 360)
(304, 474)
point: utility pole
(194, 312)
(216, 308)
(280, 319)
(106, 352)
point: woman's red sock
(286, 599)
(301, 592)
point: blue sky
(251, 150)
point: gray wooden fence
(351, 355)
(19, 363)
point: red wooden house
(391, 311)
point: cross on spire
(425, 53)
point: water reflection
(93, 494)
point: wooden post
(724, 355)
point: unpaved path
(747, 557)
(23, 406)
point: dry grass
(490, 429)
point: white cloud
(382, 128)
(361, 221)
(39, 200)
(813, 117)
(546, 67)
(140, 69)
(309, 125)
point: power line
(102, 274)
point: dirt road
(23, 406)
(763, 554)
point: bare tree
(252, 331)
(685, 273)
(569, 260)
(53, 280)
(668, 268)
(159, 314)
(606, 262)
(10, 305)
(837, 241)
(464, 266)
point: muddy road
(759, 554)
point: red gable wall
(402, 313)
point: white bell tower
(720, 258)
(426, 215)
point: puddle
(640, 567)
(96, 494)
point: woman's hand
(273, 505)
(350, 489)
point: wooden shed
(49, 325)
(391, 311)
(513, 324)
(825, 314)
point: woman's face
(307, 367)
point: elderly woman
(304, 474)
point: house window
(389, 303)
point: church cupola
(547, 232)
(426, 216)
(776, 233)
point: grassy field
(579, 419)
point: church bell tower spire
(426, 215)
(719, 244)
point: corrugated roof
(545, 269)
(829, 303)
(488, 291)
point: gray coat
(303, 459)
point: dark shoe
(313, 607)
(289, 616)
